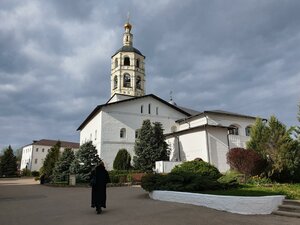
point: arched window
(137, 132)
(126, 61)
(115, 82)
(142, 109)
(138, 82)
(126, 80)
(149, 108)
(234, 130)
(248, 130)
(156, 110)
(138, 63)
(123, 133)
(116, 63)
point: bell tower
(128, 68)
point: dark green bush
(35, 173)
(122, 160)
(151, 182)
(122, 176)
(179, 181)
(198, 167)
(229, 180)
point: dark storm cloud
(240, 56)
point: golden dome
(127, 25)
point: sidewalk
(25, 202)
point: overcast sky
(238, 56)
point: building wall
(218, 147)
(193, 143)
(35, 155)
(188, 146)
(26, 157)
(92, 132)
(127, 115)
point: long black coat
(99, 179)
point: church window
(149, 108)
(116, 63)
(37, 149)
(115, 82)
(142, 109)
(127, 80)
(91, 137)
(95, 134)
(156, 110)
(248, 130)
(138, 82)
(35, 161)
(138, 63)
(43, 150)
(234, 130)
(123, 133)
(137, 132)
(126, 61)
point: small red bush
(246, 161)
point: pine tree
(150, 146)
(50, 160)
(122, 160)
(8, 163)
(85, 160)
(273, 141)
(258, 137)
(62, 166)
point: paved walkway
(24, 202)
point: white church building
(190, 134)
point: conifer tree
(273, 141)
(258, 137)
(85, 161)
(8, 163)
(150, 146)
(62, 166)
(122, 160)
(50, 160)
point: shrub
(256, 180)
(198, 167)
(122, 160)
(230, 180)
(246, 161)
(151, 182)
(26, 172)
(179, 181)
(35, 173)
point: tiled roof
(64, 144)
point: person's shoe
(99, 211)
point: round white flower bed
(234, 204)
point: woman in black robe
(99, 179)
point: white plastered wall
(127, 115)
(218, 147)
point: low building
(209, 135)
(34, 154)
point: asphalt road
(25, 202)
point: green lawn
(291, 191)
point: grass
(291, 191)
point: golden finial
(127, 24)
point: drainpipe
(207, 143)
(178, 142)
(228, 140)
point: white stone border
(234, 204)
